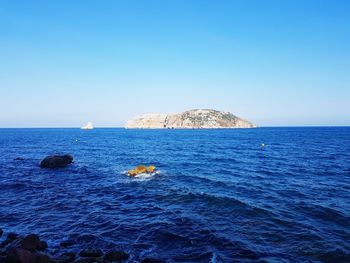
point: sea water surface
(218, 196)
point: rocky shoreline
(30, 249)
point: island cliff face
(192, 119)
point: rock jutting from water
(192, 119)
(56, 161)
(140, 169)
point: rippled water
(218, 197)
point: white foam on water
(143, 176)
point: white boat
(88, 126)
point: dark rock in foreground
(30, 242)
(19, 249)
(20, 255)
(42, 246)
(24, 249)
(89, 260)
(56, 161)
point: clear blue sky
(63, 63)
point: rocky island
(192, 119)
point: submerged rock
(91, 252)
(151, 260)
(55, 161)
(115, 256)
(67, 243)
(12, 236)
(9, 239)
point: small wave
(145, 175)
(326, 214)
(142, 176)
(14, 185)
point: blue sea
(218, 196)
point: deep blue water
(218, 196)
